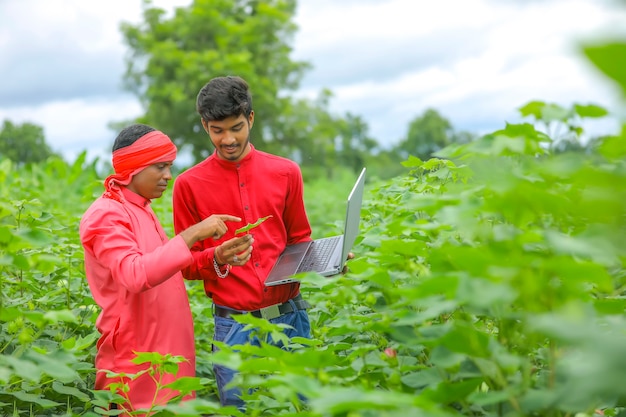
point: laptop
(326, 256)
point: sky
(474, 61)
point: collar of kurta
(232, 164)
(134, 198)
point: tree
(427, 134)
(314, 137)
(23, 143)
(355, 143)
(171, 59)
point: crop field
(487, 282)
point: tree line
(170, 58)
(353, 148)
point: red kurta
(259, 185)
(134, 275)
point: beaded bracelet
(218, 271)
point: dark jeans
(230, 332)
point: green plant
(157, 366)
(251, 226)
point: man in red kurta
(133, 269)
(239, 179)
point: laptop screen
(353, 215)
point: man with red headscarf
(133, 269)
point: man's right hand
(213, 226)
(216, 221)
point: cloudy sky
(475, 61)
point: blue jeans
(231, 333)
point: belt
(268, 313)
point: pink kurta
(134, 275)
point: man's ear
(205, 125)
(251, 119)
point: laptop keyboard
(319, 255)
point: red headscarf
(128, 161)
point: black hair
(223, 97)
(130, 135)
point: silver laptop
(326, 256)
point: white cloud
(504, 54)
(64, 63)
(76, 125)
(382, 22)
(475, 61)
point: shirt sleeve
(295, 217)
(184, 217)
(108, 234)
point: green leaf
(35, 317)
(614, 147)
(148, 357)
(465, 339)
(591, 247)
(610, 306)
(63, 316)
(53, 365)
(532, 108)
(539, 399)
(32, 398)
(186, 384)
(423, 378)
(340, 400)
(252, 225)
(6, 234)
(404, 247)
(450, 391)
(444, 358)
(484, 294)
(590, 110)
(197, 407)
(35, 237)
(521, 130)
(82, 343)
(412, 162)
(610, 58)
(20, 261)
(10, 313)
(554, 112)
(67, 390)
(5, 374)
(489, 397)
(5, 260)
(24, 369)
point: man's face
(231, 136)
(152, 181)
